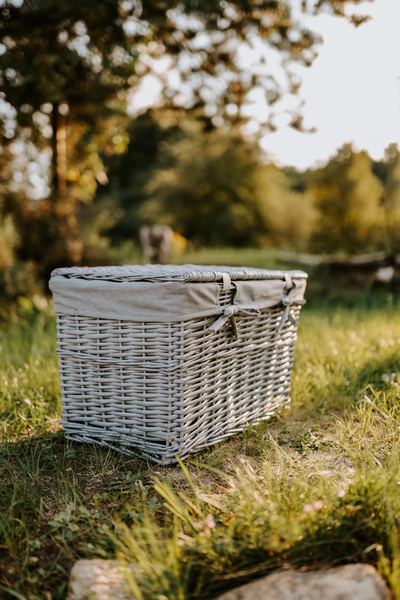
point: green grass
(317, 485)
(266, 258)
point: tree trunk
(59, 159)
(54, 160)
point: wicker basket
(167, 360)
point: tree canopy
(83, 53)
(67, 69)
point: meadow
(317, 485)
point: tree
(348, 196)
(150, 134)
(205, 188)
(388, 171)
(210, 186)
(60, 59)
(77, 55)
(289, 214)
(62, 68)
(65, 68)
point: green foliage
(208, 194)
(217, 192)
(290, 215)
(63, 66)
(29, 383)
(54, 53)
(131, 171)
(388, 171)
(211, 187)
(348, 197)
(214, 189)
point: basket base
(160, 453)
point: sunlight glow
(351, 92)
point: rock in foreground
(98, 580)
(105, 580)
(351, 582)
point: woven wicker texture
(168, 389)
(172, 273)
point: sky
(351, 92)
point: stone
(105, 580)
(98, 579)
(351, 582)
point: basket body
(168, 386)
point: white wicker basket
(167, 360)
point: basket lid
(163, 293)
(170, 273)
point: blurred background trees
(348, 197)
(82, 166)
(216, 190)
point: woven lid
(161, 293)
(165, 273)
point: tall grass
(29, 383)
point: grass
(317, 485)
(252, 257)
